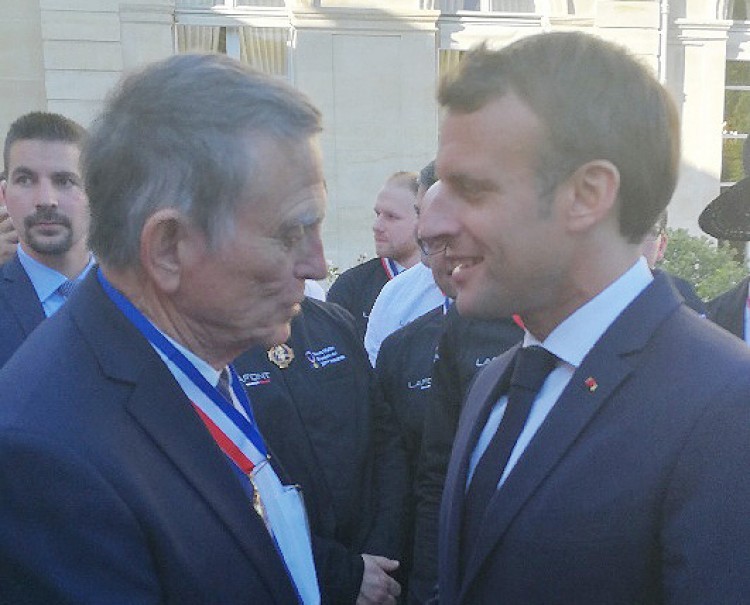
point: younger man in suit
(653, 248)
(726, 218)
(622, 478)
(44, 196)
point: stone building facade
(372, 66)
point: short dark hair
(42, 126)
(185, 133)
(594, 101)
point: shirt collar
(572, 340)
(210, 373)
(45, 279)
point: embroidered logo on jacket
(422, 384)
(483, 362)
(253, 379)
(324, 357)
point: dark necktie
(66, 288)
(532, 365)
(224, 386)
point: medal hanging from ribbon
(238, 437)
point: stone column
(695, 74)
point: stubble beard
(42, 245)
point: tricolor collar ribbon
(237, 436)
(390, 267)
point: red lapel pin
(591, 384)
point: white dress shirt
(407, 296)
(46, 281)
(571, 341)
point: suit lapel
(159, 405)
(609, 363)
(18, 290)
(490, 382)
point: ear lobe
(662, 247)
(594, 190)
(161, 252)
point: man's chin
(277, 335)
(473, 306)
(51, 247)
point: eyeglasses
(432, 247)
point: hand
(8, 236)
(378, 587)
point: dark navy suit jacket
(20, 309)
(728, 309)
(111, 489)
(636, 491)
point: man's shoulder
(326, 314)
(12, 270)
(409, 285)
(413, 334)
(716, 342)
(20, 308)
(738, 292)
(686, 348)
(369, 269)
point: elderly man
(131, 470)
(45, 200)
(603, 460)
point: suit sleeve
(441, 420)
(97, 553)
(390, 478)
(343, 568)
(705, 536)
(339, 571)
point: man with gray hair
(131, 469)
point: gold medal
(282, 355)
(258, 505)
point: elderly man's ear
(166, 245)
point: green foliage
(732, 164)
(736, 121)
(332, 273)
(697, 259)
